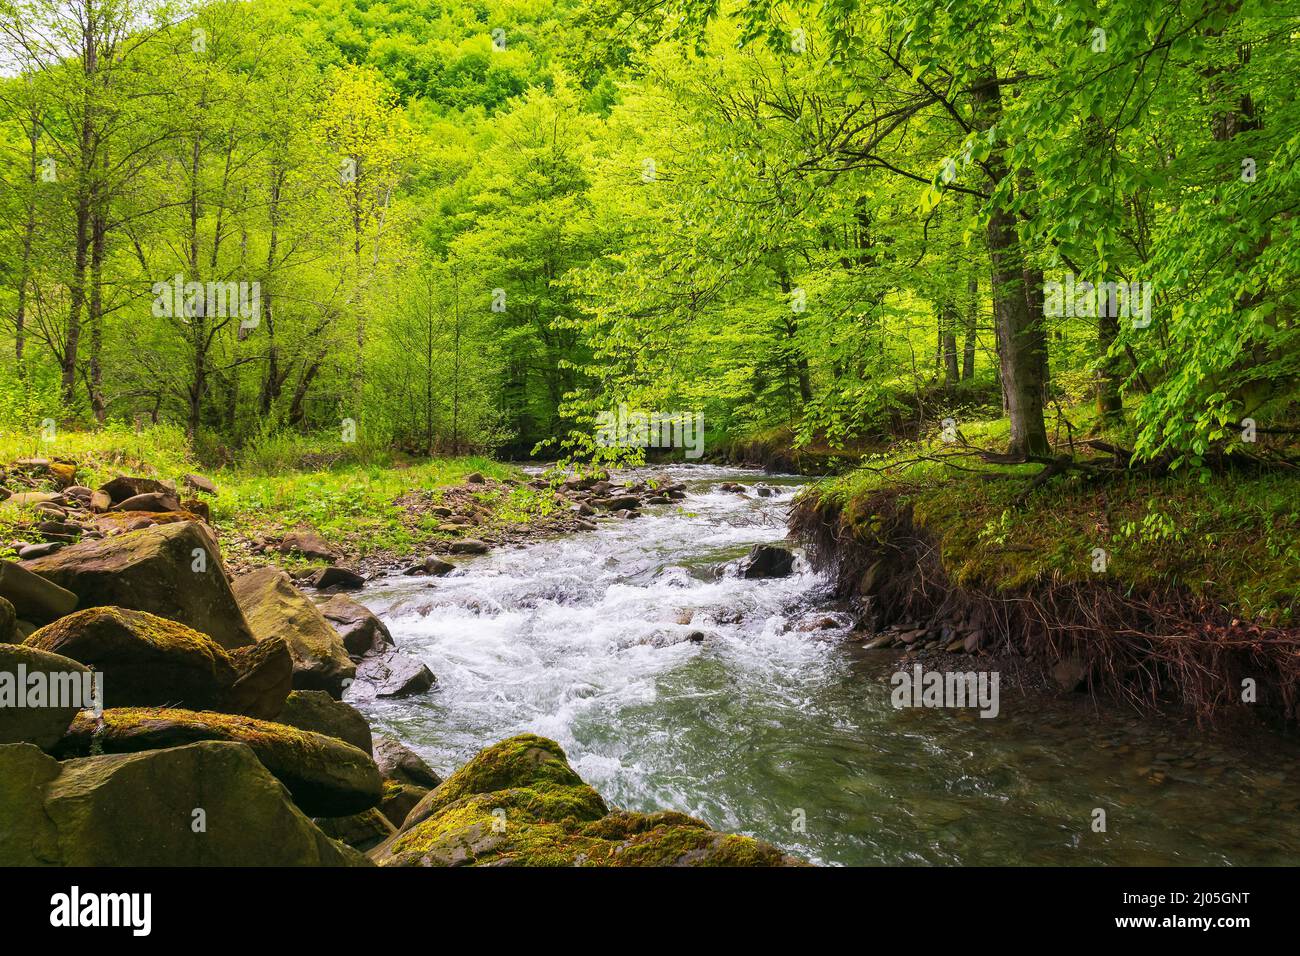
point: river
(732, 700)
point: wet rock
(361, 631)
(399, 800)
(146, 660)
(42, 725)
(553, 818)
(432, 566)
(470, 546)
(320, 713)
(399, 762)
(390, 674)
(767, 561)
(308, 545)
(622, 503)
(111, 811)
(172, 570)
(343, 579)
(30, 551)
(327, 777)
(275, 608)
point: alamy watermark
(21, 688)
(922, 688)
(178, 299)
(1072, 298)
(624, 429)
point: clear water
(772, 729)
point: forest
(472, 227)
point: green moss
(520, 804)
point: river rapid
(748, 704)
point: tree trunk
(1019, 332)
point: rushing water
(777, 726)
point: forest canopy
(476, 226)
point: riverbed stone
(767, 561)
(399, 762)
(8, 622)
(33, 597)
(360, 629)
(390, 673)
(275, 608)
(264, 681)
(172, 570)
(327, 777)
(116, 810)
(309, 545)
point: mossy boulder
(400, 799)
(326, 777)
(320, 713)
(146, 660)
(275, 608)
(519, 803)
(45, 724)
(204, 804)
(172, 570)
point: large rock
(390, 674)
(327, 777)
(172, 570)
(33, 597)
(64, 694)
(265, 679)
(275, 608)
(767, 561)
(206, 804)
(147, 661)
(320, 713)
(519, 803)
(361, 631)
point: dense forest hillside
(471, 226)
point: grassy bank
(357, 499)
(1159, 585)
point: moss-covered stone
(361, 831)
(275, 608)
(158, 570)
(519, 803)
(320, 713)
(142, 810)
(146, 660)
(327, 777)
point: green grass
(347, 502)
(1232, 537)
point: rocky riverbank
(223, 716)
